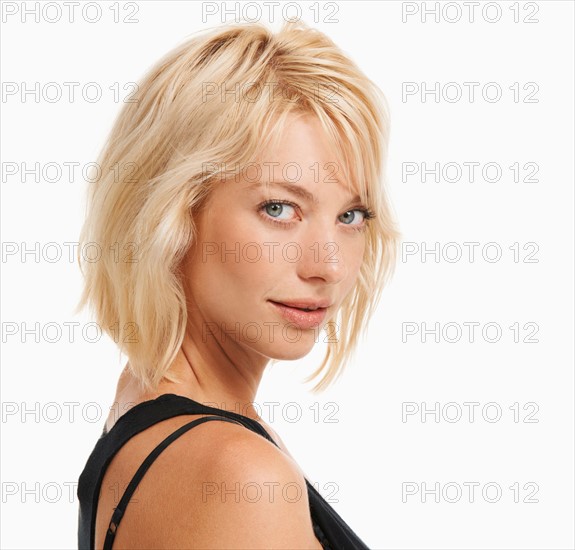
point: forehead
(302, 153)
(303, 136)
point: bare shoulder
(218, 485)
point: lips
(305, 304)
(295, 313)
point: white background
(370, 453)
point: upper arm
(220, 485)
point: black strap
(121, 508)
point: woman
(243, 211)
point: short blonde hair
(153, 180)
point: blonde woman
(245, 192)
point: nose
(322, 257)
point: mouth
(305, 305)
(305, 315)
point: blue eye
(351, 216)
(275, 209)
(272, 211)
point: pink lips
(300, 318)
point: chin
(290, 351)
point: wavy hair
(153, 178)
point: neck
(208, 374)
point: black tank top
(331, 531)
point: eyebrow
(295, 189)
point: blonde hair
(153, 180)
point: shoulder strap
(121, 508)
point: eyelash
(367, 214)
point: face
(265, 253)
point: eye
(275, 211)
(276, 208)
(350, 217)
(281, 212)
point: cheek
(233, 224)
(355, 258)
(237, 256)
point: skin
(226, 369)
